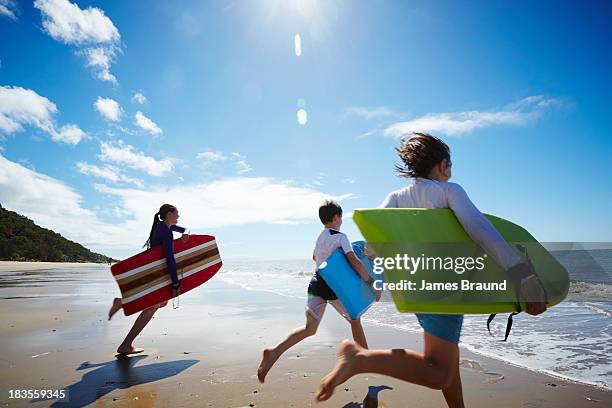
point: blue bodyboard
(354, 294)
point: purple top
(163, 235)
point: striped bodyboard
(144, 280)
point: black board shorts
(318, 287)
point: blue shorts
(446, 327)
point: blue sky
(109, 109)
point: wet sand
(55, 335)
(14, 266)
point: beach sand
(14, 266)
(55, 335)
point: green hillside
(22, 240)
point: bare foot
(117, 305)
(129, 350)
(267, 361)
(344, 369)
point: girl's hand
(534, 296)
(184, 237)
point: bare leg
(115, 307)
(143, 319)
(437, 368)
(270, 355)
(358, 334)
(453, 394)
(452, 390)
(356, 327)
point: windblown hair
(158, 218)
(328, 209)
(419, 153)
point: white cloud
(71, 134)
(242, 167)
(370, 112)
(107, 172)
(21, 107)
(457, 123)
(139, 98)
(147, 124)
(318, 181)
(240, 163)
(52, 204)
(222, 202)
(9, 8)
(100, 60)
(55, 205)
(68, 23)
(238, 160)
(212, 156)
(108, 108)
(90, 29)
(121, 153)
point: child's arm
(180, 230)
(484, 234)
(177, 229)
(358, 266)
(479, 228)
(362, 272)
(170, 261)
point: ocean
(572, 340)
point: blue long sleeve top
(163, 236)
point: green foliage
(22, 240)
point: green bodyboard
(419, 229)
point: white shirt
(425, 193)
(328, 241)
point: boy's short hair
(420, 152)
(328, 209)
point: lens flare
(297, 45)
(302, 116)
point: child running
(426, 159)
(319, 293)
(164, 224)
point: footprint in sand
(470, 364)
(497, 378)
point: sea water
(572, 340)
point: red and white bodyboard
(144, 280)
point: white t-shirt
(425, 193)
(328, 241)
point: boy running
(319, 293)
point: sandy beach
(13, 266)
(55, 335)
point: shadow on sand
(371, 398)
(117, 374)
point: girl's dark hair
(420, 152)
(158, 218)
